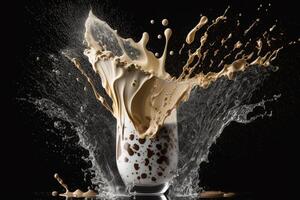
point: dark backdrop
(259, 158)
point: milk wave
(136, 80)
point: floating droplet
(37, 58)
(156, 54)
(171, 53)
(81, 109)
(275, 68)
(165, 22)
(54, 193)
(57, 72)
(237, 102)
(159, 36)
(272, 28)
(152, 21)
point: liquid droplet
(54, 193)
(159, 36)
(275, 68)
(171, 53)
(156, 54)
(152, 21)
(57, 72)
(165, 22)
(237, 102)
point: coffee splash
(136, 80)
(76, 194)
(200, 120)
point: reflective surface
(248, 196)
(155, 190)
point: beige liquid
(191, 35)
(165, 22)
(272, 28)
(182, 47)
(77, 193)
(142, 89)
(216, 194)
(251, 26)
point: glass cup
(147, 165)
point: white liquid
(147, 162)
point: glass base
(159, 197)
(149, 190)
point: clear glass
(148, 197)
(147, 165)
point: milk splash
(77, 193)
(137, 82)
(214, 99)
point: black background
(258, 158)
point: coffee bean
(146, 161)
(136, 166)
(144, 175)
(131, 137)
(136, 147)
(142, 141)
